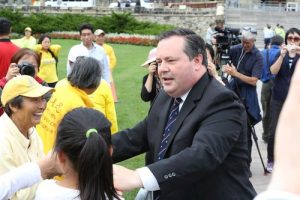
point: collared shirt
(148, 179)
(277, 195)
(19, 178)
(272, 54)
(96, 52)
(17, 150)
(249, 64)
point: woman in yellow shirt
(49, 59)
(82, 81)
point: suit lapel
(189, 104)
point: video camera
(225, 38)
(26, 68)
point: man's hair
(86, 26)
(277, 40)
(291, 31)
(16, 102)
(5, 26)
(194, 44)
(86, 73)
(248, 35)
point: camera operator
(245, 70)
(25, 62)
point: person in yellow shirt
(103, 101)
(100, 39)
(49, 58)
(23, 99)
(83, 80)
(28, 41)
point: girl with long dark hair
(83, 146)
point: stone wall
(198, 22)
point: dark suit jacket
(207, 154)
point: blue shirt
(249, 64)
(273, 52)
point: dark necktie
(168, 128)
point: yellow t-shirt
(25, 43)
(104, 102)
(63, 100)
(48, 70)
(111, 56)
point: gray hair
(86, 73)
(248, 35)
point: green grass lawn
(128, 79)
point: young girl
(83, 146)
(49, 54)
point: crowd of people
(197, 136)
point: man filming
(245, 70)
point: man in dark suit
(201, 153)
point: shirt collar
(15, 132)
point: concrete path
(259, 180)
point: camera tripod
(249, 125)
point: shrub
(114, 23)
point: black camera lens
(26, 68)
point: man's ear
(198, 62)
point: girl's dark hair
(51, 52)
(25, 51)
(291, 31)
(86, 73)
(88, 153)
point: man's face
(86, 37)
(176, 71)
(31, 111)
(100, 39)
(248, 44)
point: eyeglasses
(295, 39)
(250, 29)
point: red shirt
(7, 50)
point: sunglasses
(295, 39)
(250, 29)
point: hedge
(114, 23)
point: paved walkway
(259, 180)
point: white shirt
(19, 178)
(148, 179)
(49, 190)
(268, 33)
(96, 52)
(277, 195)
